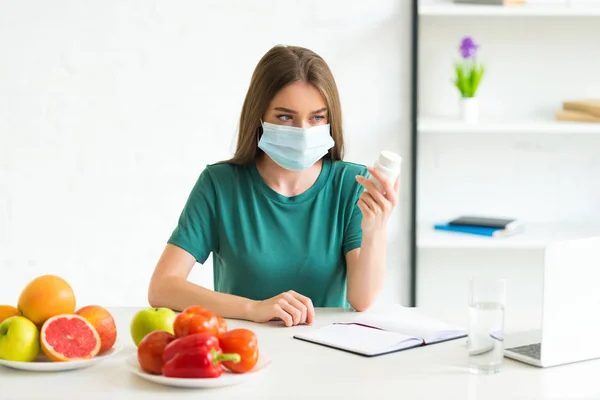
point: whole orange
(104, 323)
(44, 297)
(7, 312)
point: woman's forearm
(365, 279)
(178, 293)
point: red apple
(150, 351)
(104, 323)
(196, 319)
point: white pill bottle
(389, 165)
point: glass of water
(487, 300)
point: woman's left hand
(376, 206)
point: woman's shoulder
(221, 175)
(348, 169)
(343, 178)
(224, 169)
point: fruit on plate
(45, 297)
(69, 337)
(19, 339)
(151, 349)
(196, 319)
(221, 325)
(198, 355)
(150, 320)
(243, 342)
(104, 324)
(7, 312)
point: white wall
(109, 110)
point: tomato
(243, 342)
(222, 325)
(196, 319)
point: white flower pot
(469, 109)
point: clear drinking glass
(487, 301)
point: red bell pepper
(196, 319)
(195, 356)
(243, 342)
(190, 342)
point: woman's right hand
(290, 307)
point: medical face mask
(295, 148)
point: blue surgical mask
(294, 148)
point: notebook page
(359, 339)
(409, 321)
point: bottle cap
(389, 159)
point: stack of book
(482, 226)
(580, 111)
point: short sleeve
(353, 233)
(196, 230)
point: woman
(287, 221)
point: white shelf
(428, 125)
(450, 9)
(535, 236)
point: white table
(302, 370)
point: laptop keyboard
(530, 350)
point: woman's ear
(259, 132)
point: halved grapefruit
(69, 337)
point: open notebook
(377, 333)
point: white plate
(227, 379)
(42, 364)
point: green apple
(19, 339)
(150, 320)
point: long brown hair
(279, 67)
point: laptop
(570, 329)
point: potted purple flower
(468, 77)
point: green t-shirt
(264, 243)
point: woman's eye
(284, 117)
(319, 118)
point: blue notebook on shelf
(473, 230)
